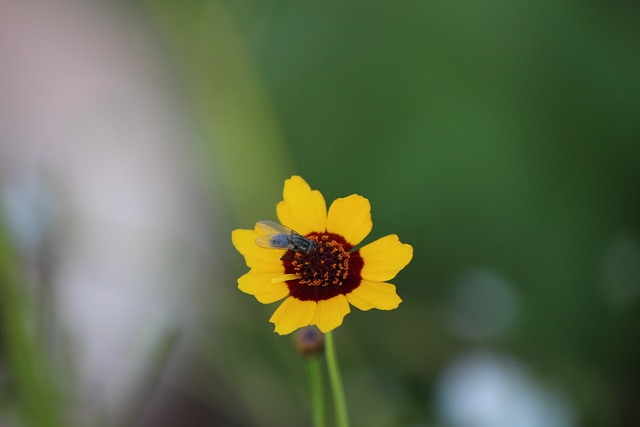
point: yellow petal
(384, 258)
(256, 257)
(350, 217)
(262, 286)
(330, 313)
(303, 209)
(284, 278)
(293, 314)
(371, 294)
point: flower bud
(309, 341)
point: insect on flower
(278, 236)
(323, 272)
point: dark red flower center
(328, 264)
(325, 272)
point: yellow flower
(320, 282)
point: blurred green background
(500, 139)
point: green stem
(339, 401)
(315, 387)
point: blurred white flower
(486, 390)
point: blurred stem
(335, 379)
(315, 388)
(37, 402)
(239, 122)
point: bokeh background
(501, 139)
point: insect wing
(271, 229)
(264, 242)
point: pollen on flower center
(327, 265)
